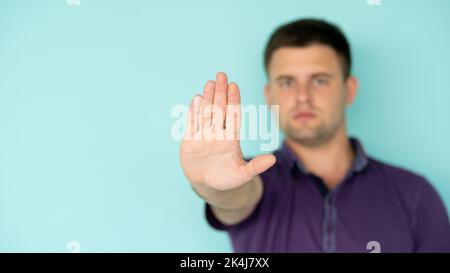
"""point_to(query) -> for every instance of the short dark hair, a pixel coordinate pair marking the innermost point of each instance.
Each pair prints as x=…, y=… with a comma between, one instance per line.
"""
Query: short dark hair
x=305, y=32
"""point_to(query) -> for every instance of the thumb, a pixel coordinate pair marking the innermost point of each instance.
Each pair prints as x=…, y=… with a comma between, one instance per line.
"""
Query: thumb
x=260, y=164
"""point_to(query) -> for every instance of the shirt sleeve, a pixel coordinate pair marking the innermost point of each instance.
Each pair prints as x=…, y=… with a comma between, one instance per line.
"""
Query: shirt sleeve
x=432, y=222
x=217, y=224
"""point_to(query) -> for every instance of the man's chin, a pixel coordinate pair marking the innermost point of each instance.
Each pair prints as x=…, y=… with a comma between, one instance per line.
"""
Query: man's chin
x=305, y=137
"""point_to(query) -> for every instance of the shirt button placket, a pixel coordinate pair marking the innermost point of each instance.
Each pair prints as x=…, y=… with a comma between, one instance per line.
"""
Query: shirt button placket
x=328, y=231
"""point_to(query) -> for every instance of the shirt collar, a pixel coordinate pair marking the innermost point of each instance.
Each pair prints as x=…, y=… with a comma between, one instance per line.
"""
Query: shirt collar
x=360, y=160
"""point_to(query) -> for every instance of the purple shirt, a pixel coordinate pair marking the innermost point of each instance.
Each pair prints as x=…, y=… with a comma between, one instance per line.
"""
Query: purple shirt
x=397, y=209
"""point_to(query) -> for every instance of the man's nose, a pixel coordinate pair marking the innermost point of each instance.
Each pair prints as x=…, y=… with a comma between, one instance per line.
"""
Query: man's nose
x=303, y=94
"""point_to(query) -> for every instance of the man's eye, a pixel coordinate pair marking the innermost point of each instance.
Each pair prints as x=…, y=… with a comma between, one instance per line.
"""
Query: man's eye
x=320, y=81
x=285, y=83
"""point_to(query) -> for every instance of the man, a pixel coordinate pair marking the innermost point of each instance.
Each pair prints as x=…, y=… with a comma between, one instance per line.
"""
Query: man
x=320, y=192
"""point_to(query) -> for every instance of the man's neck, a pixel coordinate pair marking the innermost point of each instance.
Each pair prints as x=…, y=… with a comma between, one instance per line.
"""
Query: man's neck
x=330, y=161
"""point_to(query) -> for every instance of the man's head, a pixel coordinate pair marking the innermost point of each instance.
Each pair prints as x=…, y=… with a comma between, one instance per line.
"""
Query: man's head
x=308, y=65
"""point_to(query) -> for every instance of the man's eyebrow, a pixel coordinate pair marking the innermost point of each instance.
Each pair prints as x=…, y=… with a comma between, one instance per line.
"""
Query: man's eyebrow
x=283, y=77
x=313, y=75
x=321, y=74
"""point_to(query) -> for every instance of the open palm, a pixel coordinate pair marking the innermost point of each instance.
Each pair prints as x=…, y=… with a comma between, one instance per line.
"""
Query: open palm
x=210, y=152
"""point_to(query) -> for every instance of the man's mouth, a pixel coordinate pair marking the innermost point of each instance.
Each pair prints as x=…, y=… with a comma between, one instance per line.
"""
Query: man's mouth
x=305, y=115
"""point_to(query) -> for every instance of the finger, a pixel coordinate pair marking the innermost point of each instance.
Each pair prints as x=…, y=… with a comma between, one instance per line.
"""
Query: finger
x=233, y=116
x=260, y=164
x=192, y=117
x=234, y=95
x=220, y=100
x=206, y=104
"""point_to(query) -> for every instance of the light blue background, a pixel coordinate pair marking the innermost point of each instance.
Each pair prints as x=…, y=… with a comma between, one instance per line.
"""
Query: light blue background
x=86, y=94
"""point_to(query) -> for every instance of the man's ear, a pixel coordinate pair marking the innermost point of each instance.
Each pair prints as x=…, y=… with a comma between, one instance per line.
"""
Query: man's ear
x=351, y=86
x=267, y=95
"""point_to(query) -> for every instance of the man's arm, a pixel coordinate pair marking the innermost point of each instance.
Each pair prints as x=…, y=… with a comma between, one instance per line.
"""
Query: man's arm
x=233, y=206
x=432, y=229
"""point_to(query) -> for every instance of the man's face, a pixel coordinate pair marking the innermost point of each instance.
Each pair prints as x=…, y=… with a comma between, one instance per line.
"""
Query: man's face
x=308, y=85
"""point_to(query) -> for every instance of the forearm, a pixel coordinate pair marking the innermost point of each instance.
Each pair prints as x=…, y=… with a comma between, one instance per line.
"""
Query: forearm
x=233, y=205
